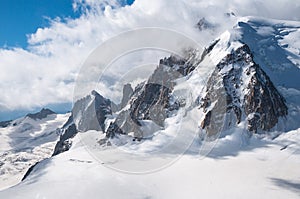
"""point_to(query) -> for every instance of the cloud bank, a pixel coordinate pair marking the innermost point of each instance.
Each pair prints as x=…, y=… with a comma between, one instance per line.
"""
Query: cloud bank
x=45, y=72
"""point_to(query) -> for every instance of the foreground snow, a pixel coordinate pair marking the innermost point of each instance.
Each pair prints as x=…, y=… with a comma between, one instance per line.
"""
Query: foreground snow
x=262, y=168
x=237, y=167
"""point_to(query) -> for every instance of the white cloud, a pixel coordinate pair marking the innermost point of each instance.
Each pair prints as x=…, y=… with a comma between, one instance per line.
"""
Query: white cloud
x=45, y=72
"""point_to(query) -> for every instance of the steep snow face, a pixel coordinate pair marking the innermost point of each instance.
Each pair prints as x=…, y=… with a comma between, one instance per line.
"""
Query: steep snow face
x=256, y=72
x=224, y=45
x=275, y=47
x=25, y=142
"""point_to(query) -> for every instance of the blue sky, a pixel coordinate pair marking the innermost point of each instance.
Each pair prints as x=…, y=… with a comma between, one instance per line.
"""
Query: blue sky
x=43, y=71
x=21, y=17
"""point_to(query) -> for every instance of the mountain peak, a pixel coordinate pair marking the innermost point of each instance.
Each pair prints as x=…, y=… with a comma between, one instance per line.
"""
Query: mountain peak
x=43, y=113
x=248, y=94
x=94, y=93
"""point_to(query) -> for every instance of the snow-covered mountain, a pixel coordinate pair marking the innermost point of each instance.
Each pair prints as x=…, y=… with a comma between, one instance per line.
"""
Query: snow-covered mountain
x=238, y=90
x=242, y=90
x=89, y=113
x=26, y=141
x=249, y=95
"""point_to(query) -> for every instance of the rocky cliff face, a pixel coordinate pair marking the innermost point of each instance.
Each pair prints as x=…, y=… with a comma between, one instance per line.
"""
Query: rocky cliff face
x=237, y=91
x=67, y=132
x=89, y=113
x=127, y=93
x=246, y=92
x=151, y=100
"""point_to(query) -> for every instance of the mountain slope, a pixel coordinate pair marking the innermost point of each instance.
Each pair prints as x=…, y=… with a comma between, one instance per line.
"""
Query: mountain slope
x=274, y=47
x=248, y=95
x=254, y=112
x=89, y=113
x=239, y=90
x=263, y=168
x=25, y=142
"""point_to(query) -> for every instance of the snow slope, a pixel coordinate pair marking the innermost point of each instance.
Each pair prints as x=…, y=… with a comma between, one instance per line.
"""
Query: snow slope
x=239, y=166
x=25, y=142
x=275, y=46
x=262, y=168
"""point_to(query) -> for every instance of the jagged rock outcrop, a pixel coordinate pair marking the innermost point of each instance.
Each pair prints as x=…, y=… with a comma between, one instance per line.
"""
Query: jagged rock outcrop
x=127, y=93
x=66, y=134
x=238, y=90
x=151, y=100
x=89, y=113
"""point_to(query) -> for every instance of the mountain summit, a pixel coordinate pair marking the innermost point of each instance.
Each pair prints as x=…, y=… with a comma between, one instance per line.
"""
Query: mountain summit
x=235, y=102
x=234, y=90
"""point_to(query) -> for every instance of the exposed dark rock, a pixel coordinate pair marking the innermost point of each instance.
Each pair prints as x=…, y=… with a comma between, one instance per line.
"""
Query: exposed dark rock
x=263, y=104
x=230, y=14
x=66, y=132
x=65, y=143
x=68, y=123
x=151, y=100
x=245, y=91
x=203, y=24
x=114, y=107
x=89, y=113
x=4, y=124
x=40, y=115
x=214, y=105
x=206, y=120
x=29, y=171
x=209, y=49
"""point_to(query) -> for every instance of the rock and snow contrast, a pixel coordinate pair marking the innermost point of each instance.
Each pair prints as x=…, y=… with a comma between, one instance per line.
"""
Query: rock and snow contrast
x=241, y=94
